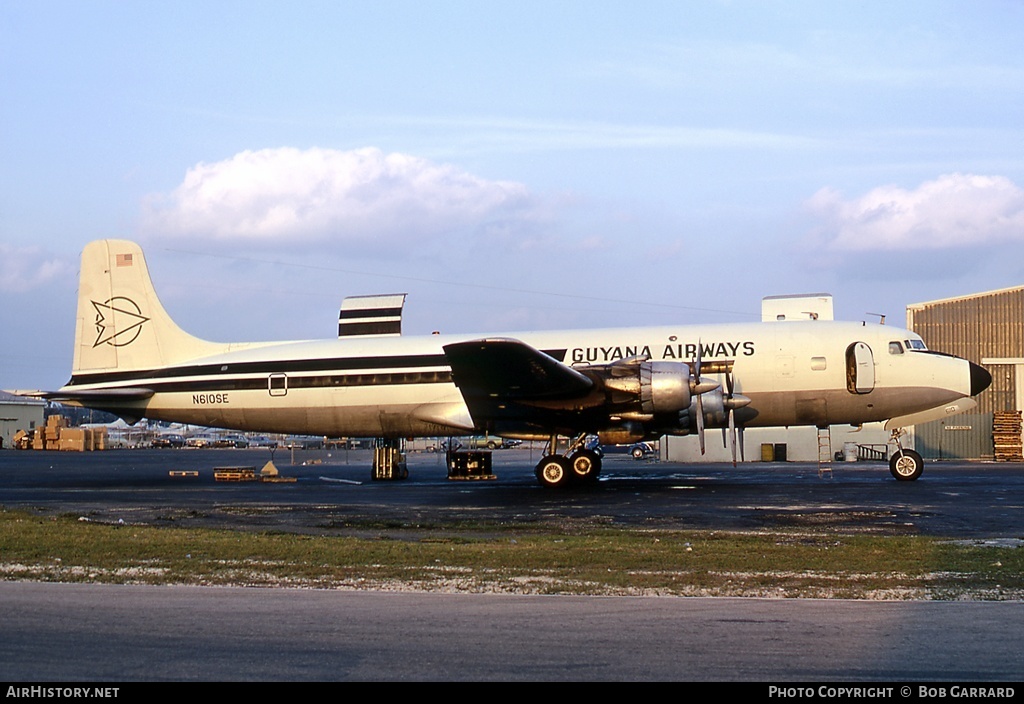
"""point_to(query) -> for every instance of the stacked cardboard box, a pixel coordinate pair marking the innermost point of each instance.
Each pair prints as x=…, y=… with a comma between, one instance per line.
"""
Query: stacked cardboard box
x=56, y=435
x=22, y=440
x=51, y=433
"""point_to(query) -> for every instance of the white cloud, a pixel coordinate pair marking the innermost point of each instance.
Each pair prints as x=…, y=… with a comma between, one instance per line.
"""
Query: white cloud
x=26, y=268
x=359, y=196
x=954, y=210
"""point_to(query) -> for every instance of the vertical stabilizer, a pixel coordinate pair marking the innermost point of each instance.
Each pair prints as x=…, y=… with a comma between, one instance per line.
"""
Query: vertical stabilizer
x=121, y=324
x=371, y=316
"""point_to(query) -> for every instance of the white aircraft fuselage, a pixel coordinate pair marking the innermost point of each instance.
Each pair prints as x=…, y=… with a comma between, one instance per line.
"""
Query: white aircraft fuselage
x=794, y=373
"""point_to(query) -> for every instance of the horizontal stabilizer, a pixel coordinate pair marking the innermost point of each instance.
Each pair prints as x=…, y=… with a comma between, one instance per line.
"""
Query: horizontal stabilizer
x=97, y=396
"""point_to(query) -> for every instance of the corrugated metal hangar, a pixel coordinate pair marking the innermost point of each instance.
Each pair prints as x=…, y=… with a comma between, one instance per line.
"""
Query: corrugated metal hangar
x=986, y=328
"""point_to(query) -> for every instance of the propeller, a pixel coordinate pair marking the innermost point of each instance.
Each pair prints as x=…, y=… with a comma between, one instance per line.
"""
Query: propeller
x=698, y=387
x=732, y=401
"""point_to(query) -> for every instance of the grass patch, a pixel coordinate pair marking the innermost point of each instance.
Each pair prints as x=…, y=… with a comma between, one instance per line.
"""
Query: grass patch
x=536, y=558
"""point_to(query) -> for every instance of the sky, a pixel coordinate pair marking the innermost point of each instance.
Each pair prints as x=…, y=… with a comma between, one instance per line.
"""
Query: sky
x=510, y=166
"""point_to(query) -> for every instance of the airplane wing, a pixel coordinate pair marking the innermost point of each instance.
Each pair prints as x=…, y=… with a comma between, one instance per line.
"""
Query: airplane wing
x=507, y=383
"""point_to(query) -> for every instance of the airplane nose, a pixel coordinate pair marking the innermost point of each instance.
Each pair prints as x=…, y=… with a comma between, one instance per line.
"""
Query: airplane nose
x=980, y=379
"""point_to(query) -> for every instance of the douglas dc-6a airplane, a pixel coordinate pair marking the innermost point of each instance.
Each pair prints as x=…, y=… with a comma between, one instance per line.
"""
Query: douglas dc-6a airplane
x=624, y=385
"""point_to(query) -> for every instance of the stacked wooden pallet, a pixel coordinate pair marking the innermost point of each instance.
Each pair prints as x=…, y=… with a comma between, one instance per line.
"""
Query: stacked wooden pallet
x=1006, y=436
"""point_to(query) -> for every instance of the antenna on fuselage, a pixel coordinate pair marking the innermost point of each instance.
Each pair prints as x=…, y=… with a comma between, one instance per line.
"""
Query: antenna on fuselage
x=881, y=317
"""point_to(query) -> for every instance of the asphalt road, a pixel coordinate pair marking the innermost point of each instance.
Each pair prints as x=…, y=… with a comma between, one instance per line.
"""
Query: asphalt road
x=112, y=633
x=73, y=632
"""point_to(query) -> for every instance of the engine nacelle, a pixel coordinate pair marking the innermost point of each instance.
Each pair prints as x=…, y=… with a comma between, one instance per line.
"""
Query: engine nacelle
x=646, y=398
x=664, y=387
x=715, y=413
x=657, y=387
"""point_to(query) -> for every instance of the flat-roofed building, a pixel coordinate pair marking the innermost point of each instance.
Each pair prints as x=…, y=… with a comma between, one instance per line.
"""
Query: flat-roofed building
x=18, y=413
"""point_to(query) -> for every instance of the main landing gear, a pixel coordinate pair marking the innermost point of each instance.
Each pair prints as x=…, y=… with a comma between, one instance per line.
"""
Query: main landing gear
x=904, y=465
x=577, y=465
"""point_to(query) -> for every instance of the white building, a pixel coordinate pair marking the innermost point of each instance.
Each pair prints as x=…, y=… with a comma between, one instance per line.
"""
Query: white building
x=18, y=413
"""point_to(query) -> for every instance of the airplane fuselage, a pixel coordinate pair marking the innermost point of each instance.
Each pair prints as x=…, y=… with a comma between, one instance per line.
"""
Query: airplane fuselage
x=794, y=373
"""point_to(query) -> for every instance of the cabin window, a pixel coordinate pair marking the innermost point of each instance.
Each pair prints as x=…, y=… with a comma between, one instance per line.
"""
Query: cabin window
x=818, y=364
x=895, y=347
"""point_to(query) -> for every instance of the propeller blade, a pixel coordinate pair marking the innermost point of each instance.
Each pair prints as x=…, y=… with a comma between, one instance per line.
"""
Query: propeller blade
x=700, y=423
x=732, y=402
x=732, y=434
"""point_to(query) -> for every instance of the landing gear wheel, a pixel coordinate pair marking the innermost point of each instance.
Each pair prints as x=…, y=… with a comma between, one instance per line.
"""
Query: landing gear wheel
x=586, y=465
x=906, y=466
x=553, y=471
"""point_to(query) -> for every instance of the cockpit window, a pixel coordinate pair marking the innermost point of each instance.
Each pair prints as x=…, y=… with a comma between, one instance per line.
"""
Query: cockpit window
x=915, y=345
x=895, y=347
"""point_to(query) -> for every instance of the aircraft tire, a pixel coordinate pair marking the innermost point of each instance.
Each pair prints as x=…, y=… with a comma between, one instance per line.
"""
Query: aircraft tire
x=906, y=466
x=586, y=465
x=554, y=471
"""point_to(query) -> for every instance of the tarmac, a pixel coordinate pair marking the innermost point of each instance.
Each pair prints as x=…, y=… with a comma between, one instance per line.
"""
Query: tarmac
x=325, y=490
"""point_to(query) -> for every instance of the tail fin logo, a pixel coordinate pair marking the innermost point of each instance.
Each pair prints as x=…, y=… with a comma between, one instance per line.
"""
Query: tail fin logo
x=118, y=322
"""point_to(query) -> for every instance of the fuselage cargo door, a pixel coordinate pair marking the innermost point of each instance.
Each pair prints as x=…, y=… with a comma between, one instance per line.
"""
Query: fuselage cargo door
x=860, y=368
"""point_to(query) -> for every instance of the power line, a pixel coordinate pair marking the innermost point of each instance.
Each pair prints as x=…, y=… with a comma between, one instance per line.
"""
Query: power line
x=462, y=284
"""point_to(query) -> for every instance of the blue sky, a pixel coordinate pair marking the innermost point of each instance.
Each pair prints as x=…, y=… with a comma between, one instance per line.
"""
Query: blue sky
x=509, y=165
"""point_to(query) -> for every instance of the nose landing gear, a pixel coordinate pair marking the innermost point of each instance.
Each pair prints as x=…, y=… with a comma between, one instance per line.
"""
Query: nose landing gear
x=904, y=465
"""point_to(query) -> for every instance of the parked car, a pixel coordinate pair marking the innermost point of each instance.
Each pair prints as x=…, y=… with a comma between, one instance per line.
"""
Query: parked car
x=489, y=442
x=170, y=440
x=637, y=450
x=231, y=441
x=640, y=450
x=303, y=442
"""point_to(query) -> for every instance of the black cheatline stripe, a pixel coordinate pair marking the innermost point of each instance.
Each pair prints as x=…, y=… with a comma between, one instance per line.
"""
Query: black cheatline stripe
x=304, y=382
x=292, y=366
